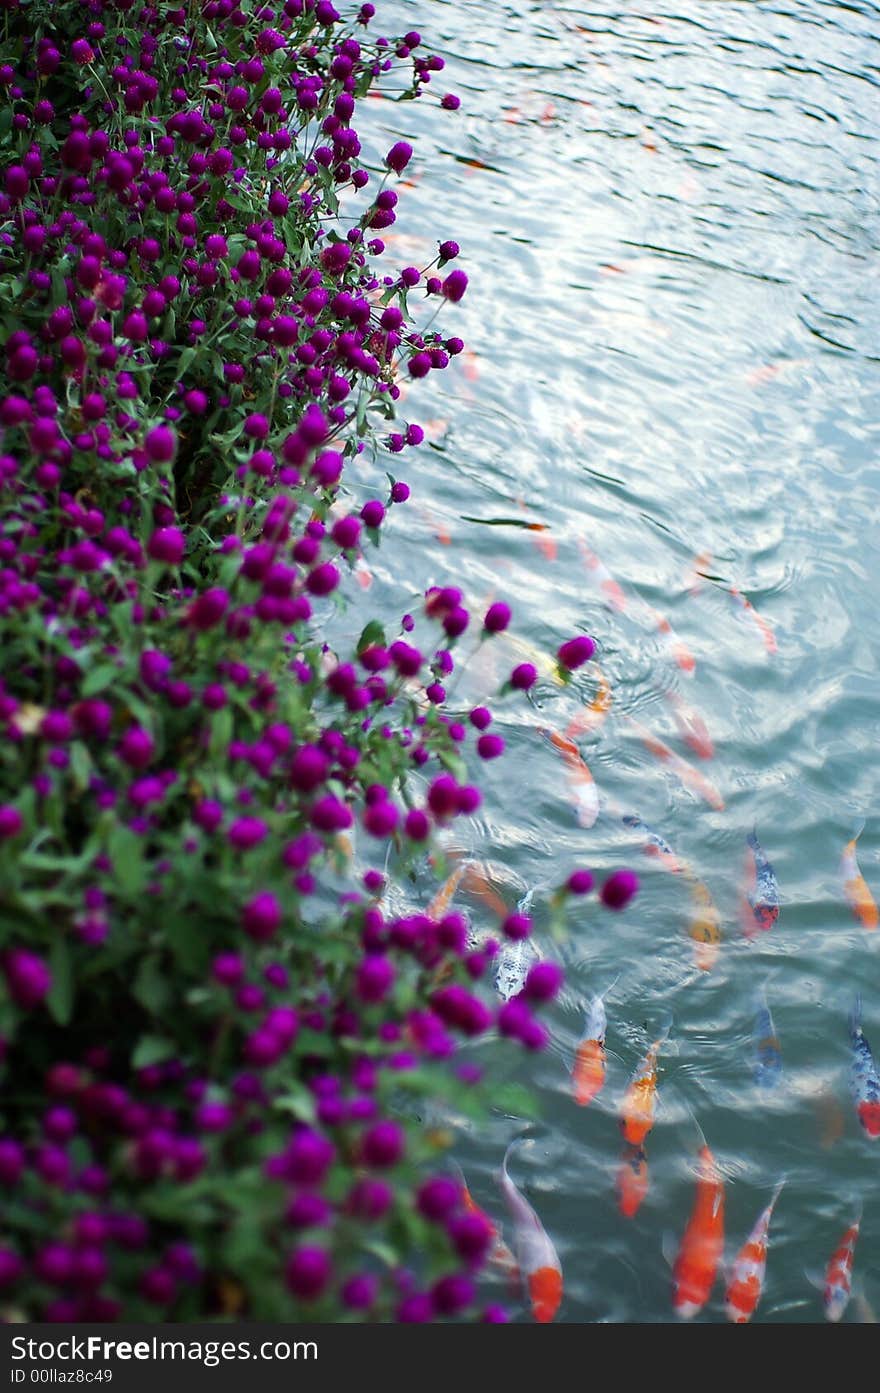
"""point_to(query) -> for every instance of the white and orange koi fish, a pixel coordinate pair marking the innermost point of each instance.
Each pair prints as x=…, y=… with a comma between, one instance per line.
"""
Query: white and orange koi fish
x=632, y=1180
x=692, y=778
x=654, y=845
x=691, y=726
x=747, y=1274
x=639, y=1101
x=588, y=1070
x=705, y=926
x=538, y=1261
x=855, y=887
x=593, y=714
x=602, y=578
x=675, y=647
x=581, y=784
x=500, y=1257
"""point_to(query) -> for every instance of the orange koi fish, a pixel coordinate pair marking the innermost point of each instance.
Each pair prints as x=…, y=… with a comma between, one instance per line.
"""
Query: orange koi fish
x=748, y=608
x=500, y=1257
x=677, y=650
x=696, y=1266
x=593, y=714
x=443, y=898
x=691, y=778
x=539, y=1265
x=838, y=1277
x=476, y=882
x=759, y=905
x=855, y=887
x=588, y=1070
x=747, y=1274
x=639, y=1101
x=705, y=926
x=544, y=541
x=470, y=361
x=691, y=726
x=362, y=574
x=632, y=1180
x=602, y=577
x=581, y=783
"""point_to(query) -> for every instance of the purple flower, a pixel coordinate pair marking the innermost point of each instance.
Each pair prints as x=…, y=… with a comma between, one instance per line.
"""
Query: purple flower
x=167, y=544
x=576, y=651
x=161, y=444
x=27, y=977
x=375, y=978
x=497, y=618
x=454, y=286
x=307, y=1272
x=11, y=822
x=261, y=916
x=438, y=1197
x=383, y=1145
x=580, y=882
x=619, y=889
x=543, y=981
x=246, y=832
x=524, y=676
x=490, y=746
x=399, y=156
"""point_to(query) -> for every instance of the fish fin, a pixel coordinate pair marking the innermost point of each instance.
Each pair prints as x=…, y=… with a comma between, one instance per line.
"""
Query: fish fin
x=815, y=1277
x=669, y=1248
x=610, y=988
x=700, y=1133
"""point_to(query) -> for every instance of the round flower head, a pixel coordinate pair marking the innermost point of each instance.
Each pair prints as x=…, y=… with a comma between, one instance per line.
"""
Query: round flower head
x=619, y=889
x=399, y=156
x=576, y=651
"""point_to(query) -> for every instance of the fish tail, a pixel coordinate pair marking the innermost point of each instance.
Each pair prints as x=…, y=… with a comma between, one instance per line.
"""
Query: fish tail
x=858, y=828
x=700, y=1133
x=855, y=1016
x=752, y=838
x=665, y=1029
x=777, y=1190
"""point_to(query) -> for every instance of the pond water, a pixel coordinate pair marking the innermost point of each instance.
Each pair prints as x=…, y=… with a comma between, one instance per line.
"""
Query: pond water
x=669, y=219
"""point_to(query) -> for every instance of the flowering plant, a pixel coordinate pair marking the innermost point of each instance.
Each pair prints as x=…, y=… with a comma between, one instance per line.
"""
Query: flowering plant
x=214, y=1058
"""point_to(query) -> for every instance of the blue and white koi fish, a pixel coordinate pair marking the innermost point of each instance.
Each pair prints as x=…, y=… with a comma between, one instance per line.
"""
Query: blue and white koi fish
x=760, y=908
x=768, y=1056
x=864, y=1080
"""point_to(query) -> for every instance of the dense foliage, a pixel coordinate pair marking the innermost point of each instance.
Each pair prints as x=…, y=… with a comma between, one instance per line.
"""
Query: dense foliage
x=217, y=1043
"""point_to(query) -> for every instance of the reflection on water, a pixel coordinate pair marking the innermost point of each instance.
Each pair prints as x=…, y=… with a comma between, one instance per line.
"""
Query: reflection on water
x=670, y=225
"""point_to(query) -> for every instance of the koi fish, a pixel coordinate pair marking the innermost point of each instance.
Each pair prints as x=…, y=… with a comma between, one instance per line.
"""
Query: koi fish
x=443, y=898
x=760, y=905
x=512, y=967
x=539, y=1265
x=500, y=1257
x=864, y=1081
x=749, y=610
x=692, y=778
x=476, y=882
x=632, y=1180
x=588, y=1070
x=696, y=1266
x=639, y=1101
x=593, y=714
x=582, y=786
x=705, y=926
x=691, y=726
x=747, y=1275
x=697, y=574
x=855, y=887
x=677, y=650
x=768, y=1056
x=654, y=845
x=838, y=1277
x=602, y=577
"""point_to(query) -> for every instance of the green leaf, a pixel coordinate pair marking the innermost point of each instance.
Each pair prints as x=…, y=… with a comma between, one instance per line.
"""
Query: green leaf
x=99, y=678
x=152, y=1049
x=151, y=988
x=126, y=852
x=80, y=765
x=515, y=1099
x=373, y=633
x=60, y=998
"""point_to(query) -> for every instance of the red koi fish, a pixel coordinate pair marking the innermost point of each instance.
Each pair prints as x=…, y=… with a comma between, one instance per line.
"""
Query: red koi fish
x=855, y=887
x=632, y=1180
x=696, y=1266
x=602, y=577
x=838, y=1277
x=443, y=898
x=692, y=778
x=761, y=624
x=675, y=647
x=539, y=1265
x=747, y=1274
x=691, y=726
x=582, y=786
x=639, y=1101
